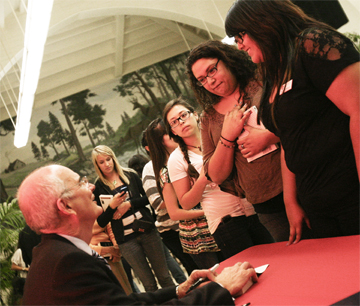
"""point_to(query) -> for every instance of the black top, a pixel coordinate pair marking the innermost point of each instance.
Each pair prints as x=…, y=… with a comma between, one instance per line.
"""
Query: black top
x=313, y=131
x=138, y=200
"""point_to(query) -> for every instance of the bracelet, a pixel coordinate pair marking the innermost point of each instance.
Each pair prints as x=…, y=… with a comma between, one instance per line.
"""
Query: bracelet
x=225, y=145
x=227, y=139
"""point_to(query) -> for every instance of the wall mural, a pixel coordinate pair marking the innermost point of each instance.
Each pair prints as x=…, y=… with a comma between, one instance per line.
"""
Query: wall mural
x=114, y=114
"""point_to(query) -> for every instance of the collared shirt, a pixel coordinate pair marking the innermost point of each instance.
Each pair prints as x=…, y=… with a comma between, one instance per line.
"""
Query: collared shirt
x=80, y=244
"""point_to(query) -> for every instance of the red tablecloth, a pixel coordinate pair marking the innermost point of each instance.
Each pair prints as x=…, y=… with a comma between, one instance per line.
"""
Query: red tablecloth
x=312, y=272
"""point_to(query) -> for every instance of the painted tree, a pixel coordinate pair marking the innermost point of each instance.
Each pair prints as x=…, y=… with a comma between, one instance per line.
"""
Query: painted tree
x=69, y=140
x=177, y=62
x=44, y=132
x=109, y=129
x=44, y=153
x=63, y=102
x=81, y=110
x=36, y=151
x=7, y=126
x=130, y=86
x=58, y=135
x=134, y=83
x=96, y=119
x=162, y=85
x=165, y=67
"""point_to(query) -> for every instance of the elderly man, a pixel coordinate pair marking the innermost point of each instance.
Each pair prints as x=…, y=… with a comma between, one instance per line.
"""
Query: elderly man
x=60, y=205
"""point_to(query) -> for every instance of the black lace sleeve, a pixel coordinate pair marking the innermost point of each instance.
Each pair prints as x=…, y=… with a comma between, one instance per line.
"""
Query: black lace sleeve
x=325, y=54
x=323, y=44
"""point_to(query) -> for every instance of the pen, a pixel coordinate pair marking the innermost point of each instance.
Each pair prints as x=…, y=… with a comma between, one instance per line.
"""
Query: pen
x=202, y=279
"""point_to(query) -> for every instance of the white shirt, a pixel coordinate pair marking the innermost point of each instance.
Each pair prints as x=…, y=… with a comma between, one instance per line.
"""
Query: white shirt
x=215, y=203
x=17, y=259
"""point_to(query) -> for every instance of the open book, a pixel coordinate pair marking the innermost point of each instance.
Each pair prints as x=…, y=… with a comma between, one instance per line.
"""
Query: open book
x=252, y=121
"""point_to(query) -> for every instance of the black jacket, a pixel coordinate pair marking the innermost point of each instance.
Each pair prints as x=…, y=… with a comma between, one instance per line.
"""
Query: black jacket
x=138, y=200
x=62, y=274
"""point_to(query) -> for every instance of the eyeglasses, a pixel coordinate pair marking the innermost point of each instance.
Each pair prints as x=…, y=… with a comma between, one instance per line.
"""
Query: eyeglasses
x=211, y=73
x=239, y=39
x=183, y=117
x=84, y=182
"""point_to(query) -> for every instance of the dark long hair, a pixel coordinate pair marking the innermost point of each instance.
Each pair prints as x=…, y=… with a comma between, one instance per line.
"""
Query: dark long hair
x=192, y=172
x=238, y=62
x=275, y=26
x=154, y=135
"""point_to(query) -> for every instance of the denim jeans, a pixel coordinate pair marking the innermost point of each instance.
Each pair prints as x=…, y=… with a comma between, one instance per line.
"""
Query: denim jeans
x=239, y=233
x=138, y=250
x=174, y=267
x=127, y=268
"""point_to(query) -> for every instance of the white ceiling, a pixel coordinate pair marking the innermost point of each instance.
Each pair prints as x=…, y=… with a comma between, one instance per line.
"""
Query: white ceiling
x=94, y=41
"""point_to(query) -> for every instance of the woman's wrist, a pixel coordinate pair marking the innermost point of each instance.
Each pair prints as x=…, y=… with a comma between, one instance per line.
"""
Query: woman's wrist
x=228, y=139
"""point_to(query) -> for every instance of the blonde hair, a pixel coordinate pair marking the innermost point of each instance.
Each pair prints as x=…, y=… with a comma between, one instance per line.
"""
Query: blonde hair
x=105, y=150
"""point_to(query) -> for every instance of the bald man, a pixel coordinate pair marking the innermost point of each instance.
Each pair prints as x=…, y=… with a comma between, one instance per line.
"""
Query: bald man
x=60, y=205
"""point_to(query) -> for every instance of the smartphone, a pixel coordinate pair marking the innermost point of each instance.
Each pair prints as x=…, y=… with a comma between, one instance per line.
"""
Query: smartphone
x=105, y=200
x=124, y=188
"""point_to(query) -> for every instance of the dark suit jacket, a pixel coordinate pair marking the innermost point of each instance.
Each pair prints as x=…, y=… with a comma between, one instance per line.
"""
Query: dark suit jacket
x=62, y=274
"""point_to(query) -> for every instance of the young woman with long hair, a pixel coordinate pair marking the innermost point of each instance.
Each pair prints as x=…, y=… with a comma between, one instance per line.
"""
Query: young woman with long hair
x=311, y=77
x=232, y=220
x=160, y=147
x=224, y=79
x=135, y=247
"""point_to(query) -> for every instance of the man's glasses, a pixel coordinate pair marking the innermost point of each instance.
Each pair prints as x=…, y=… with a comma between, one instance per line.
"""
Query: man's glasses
x=211, y=73
x=84, y=182
x=183, y=117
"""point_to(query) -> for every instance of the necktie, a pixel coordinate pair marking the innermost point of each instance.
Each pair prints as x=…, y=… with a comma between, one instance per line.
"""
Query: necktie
x=100, y=258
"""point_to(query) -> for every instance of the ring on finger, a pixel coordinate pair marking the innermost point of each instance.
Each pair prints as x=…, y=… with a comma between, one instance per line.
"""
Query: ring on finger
x=242, y=146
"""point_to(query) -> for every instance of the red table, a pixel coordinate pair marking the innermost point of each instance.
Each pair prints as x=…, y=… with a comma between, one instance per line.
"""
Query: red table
x=312, y=272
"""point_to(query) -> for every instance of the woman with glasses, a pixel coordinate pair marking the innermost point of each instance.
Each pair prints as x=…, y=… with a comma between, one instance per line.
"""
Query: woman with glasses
x=311, y=96
x=160, y=146
x=225, y=83
x=222, y=210
x=135, y=246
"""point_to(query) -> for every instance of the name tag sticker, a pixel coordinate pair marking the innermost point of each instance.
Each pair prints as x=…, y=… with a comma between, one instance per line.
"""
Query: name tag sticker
x=286, y=87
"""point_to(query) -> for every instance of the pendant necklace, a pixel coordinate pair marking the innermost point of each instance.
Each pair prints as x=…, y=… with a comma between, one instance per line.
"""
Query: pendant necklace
x=199, y=147
x=114, y=183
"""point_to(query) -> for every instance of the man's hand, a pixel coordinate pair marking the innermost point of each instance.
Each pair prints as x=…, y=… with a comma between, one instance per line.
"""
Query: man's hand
x=234, y=278
x=194, y=276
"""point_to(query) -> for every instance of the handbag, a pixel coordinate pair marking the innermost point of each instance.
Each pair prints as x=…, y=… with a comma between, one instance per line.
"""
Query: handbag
x=142, y=226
